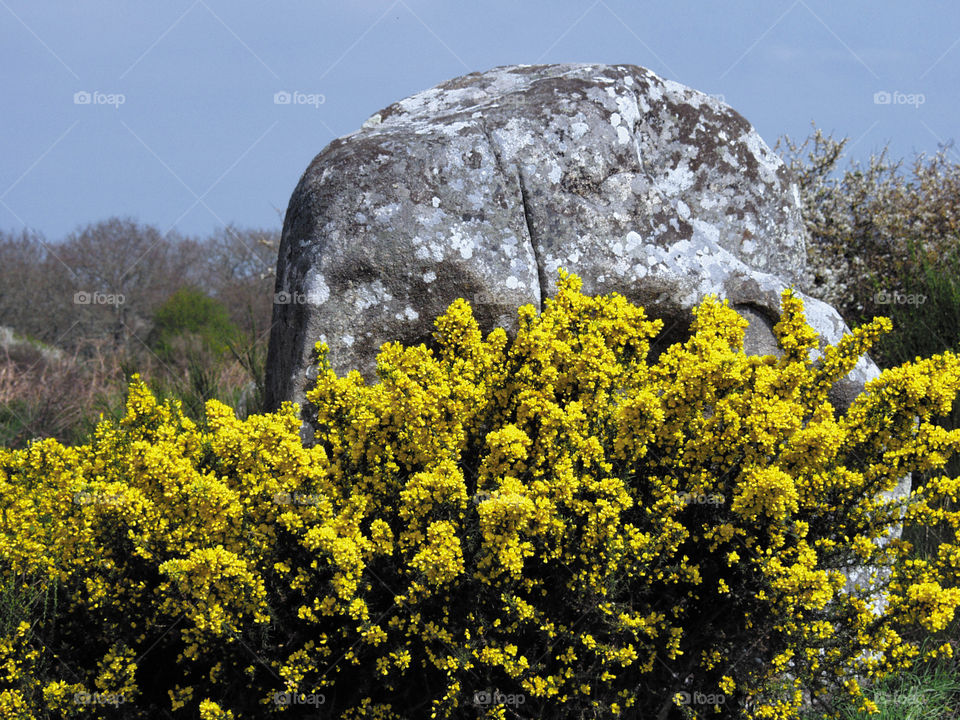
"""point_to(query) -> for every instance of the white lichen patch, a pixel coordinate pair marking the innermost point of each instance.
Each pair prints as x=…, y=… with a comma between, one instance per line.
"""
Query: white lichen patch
x=629, y=110
x=512, y=139
x=462, y=244
x=681, y=92
x=579, y=129
x=432, y=218
x=317, y=291
x=367, y=296
x=710, y=232
x=768, y=163
x=432, y=101
x=454, y=129
x=555, y=173
x=678, y=180
x=655, y=92
x=729, y=158
x=385, y=211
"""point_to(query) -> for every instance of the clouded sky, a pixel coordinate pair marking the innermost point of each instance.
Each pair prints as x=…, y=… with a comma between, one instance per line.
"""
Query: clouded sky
x=168, y=113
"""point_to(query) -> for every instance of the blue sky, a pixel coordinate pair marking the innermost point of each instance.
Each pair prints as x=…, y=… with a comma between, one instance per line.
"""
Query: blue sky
x=181, y=129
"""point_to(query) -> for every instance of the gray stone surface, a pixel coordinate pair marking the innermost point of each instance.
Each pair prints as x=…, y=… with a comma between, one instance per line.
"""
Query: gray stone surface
x=483, y=186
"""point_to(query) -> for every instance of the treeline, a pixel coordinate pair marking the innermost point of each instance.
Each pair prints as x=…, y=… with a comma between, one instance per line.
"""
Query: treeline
x=81, y=314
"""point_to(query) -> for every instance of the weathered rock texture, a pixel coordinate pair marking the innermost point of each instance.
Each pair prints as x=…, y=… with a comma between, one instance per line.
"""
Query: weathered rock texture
x=483, y=186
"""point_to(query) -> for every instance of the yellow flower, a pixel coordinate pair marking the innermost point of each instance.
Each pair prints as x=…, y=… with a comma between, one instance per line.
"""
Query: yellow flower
x=552, y=510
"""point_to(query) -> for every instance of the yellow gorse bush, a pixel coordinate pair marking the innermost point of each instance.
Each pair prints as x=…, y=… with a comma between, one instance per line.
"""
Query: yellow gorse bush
x=549, y=527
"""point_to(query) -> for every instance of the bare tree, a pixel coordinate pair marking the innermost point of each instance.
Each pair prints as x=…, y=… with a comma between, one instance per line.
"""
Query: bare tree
x=120, y=272
x=242, y=264
x=32, y=285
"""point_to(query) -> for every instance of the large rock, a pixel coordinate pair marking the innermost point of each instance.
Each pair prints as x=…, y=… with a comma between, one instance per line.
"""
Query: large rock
x=483, y=186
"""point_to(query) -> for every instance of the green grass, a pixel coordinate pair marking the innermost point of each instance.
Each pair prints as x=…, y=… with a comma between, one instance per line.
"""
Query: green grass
x=930, y=692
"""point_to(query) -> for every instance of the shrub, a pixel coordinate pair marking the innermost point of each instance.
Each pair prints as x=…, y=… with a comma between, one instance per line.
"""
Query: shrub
x=190, y=312
x=872, y=227
x=927, y=320
x=192, y=338
x=548, y=527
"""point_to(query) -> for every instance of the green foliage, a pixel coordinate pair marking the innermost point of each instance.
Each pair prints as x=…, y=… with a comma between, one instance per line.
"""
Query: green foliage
x=927, y=320
x=191, y=322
